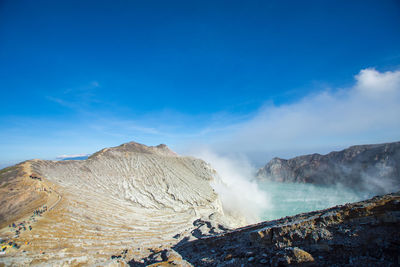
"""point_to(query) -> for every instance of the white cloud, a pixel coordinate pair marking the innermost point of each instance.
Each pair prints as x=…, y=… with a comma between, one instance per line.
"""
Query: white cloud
x=367, y=112
x=375, y=83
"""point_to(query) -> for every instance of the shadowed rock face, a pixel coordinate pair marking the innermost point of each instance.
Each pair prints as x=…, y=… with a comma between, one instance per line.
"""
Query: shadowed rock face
x=367, y=167
x=129, y=199
x=360, y=234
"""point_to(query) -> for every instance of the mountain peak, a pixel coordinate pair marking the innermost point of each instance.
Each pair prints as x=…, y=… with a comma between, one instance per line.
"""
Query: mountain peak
x=134, y=147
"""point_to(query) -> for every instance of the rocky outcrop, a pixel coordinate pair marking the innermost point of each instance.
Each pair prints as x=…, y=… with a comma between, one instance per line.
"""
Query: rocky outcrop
x=360, y=234
x=367, y=167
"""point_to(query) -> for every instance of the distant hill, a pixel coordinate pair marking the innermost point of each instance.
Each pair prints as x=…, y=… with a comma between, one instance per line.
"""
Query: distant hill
x=367, y=167
x=76, y=158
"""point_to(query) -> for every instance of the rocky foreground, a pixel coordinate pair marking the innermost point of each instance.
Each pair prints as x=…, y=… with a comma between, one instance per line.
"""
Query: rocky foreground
x=359, y=234
x=375, y=168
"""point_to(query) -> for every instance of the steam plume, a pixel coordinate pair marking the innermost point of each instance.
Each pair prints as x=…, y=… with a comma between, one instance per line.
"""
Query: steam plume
x=239, y=195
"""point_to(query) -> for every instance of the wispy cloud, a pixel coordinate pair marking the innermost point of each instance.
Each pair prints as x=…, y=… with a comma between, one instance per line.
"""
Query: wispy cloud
x=89, y=87
x=62, y=102
x=367, y=112
x=78, y=98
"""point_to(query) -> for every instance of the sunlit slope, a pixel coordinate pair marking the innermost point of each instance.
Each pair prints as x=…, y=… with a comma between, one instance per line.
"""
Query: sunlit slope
x=19, y=195
x=148, y=178
x=130, y=197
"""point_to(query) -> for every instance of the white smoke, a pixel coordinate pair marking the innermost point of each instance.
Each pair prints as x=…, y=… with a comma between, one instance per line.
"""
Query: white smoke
x=367, y=112
x=380, y=180
x=239, y=195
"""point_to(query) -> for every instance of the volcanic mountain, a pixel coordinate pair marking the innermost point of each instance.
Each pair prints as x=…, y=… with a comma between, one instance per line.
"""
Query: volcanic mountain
x=124, y=199
x=374, y=168
x=137, y=205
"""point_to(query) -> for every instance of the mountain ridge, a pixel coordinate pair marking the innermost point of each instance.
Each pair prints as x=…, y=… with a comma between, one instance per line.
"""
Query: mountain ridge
x=355, y=166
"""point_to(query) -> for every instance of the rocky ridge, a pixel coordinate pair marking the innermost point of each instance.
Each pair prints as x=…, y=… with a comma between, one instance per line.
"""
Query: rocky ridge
x=366, y=167
x=359, y=234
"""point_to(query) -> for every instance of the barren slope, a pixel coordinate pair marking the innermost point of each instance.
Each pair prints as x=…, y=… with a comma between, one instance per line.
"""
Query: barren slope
x=19, y=194
x=130, y=197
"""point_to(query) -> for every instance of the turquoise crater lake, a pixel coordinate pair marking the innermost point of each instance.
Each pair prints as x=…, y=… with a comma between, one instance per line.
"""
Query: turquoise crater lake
x=286, y=199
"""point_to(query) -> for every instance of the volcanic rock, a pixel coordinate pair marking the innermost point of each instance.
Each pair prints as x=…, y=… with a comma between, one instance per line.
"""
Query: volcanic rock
x=131, y=198
x=359, y=234
x=374, y=168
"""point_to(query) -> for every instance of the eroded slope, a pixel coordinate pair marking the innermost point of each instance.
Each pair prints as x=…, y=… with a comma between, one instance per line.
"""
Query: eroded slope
x=125, y=199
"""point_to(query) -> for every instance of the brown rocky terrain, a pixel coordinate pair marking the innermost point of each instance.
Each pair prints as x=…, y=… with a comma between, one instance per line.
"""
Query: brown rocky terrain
x=374, y=168
x=19, y=193
x=359, y=234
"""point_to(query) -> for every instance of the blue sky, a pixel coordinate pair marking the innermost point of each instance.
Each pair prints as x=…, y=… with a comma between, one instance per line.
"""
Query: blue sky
x=77, y=76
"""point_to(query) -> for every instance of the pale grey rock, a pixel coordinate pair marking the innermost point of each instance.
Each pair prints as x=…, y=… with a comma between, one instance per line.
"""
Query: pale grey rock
x=128, y=197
